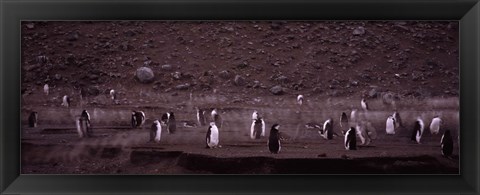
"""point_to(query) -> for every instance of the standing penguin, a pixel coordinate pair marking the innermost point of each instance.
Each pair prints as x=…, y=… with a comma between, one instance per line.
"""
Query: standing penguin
x=435, y=125
x=344, y=120
x=398, y=120
x=113, y=95
x=83, y=126
x=32, y=119
x=274, y=140
x=417, y=130
x=300, y=99
x=212, y=138
x=257, y=130
x=255, y=115
x=156, y=131
x=390, y=125
x=172, y=123
x=66, y=101
x=364, y=104
x=351, y=139
x=447, y=144
x=327, y=131
x=216, y=118
x=86, y=116
x=46, y=89
x=138, y=118
x=202, y=121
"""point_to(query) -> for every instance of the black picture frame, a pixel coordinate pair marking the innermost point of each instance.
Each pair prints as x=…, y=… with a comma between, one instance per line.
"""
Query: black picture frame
x=466, y=11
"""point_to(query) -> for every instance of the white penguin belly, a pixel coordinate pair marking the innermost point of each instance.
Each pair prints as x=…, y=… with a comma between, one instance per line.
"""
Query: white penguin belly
x=158, y=134
x=390, y=127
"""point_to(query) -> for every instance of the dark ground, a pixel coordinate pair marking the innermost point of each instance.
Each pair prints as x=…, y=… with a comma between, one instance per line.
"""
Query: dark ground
x=232, y=66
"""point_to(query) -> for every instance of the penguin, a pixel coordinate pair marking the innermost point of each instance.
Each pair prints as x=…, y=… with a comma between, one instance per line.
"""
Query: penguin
x=344, y=120
x=113, y=95
x=327, y=131
x=300, y=99
x=83, y=126
x=201, y=117
x=258, y=128
x=156, y=131
x=255, y=115
x=46, y=89
x=398, y=120
x=390, y=125
x=212, y=138
x=32, y=119
x=216, y=118
x=364, y=104
x=138, y=118
x=164, y=119
x=417, y=130
x=435, y=125
x=447, y=144
x=351, y=139
x=86, y=116
x=274, y=139
x=171, y=123
x=66, y=101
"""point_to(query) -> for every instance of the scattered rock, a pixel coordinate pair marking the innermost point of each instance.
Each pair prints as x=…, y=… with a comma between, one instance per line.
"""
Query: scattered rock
x=72, y=36
x=183, y=86
x=30, y=25
x=225, y=74
x=144, y=75
x=373, y=93
x=167, y=67
x=177, y=75
x=58, y=77
x=239, y=80
x=277, y=90
x=359, y=31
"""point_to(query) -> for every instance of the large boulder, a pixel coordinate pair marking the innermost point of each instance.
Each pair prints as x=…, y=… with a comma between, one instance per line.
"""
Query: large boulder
x=277, y=90
x=145, y=75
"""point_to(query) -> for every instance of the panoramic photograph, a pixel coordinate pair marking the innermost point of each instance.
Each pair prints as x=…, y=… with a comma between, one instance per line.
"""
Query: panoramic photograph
x=240, y=97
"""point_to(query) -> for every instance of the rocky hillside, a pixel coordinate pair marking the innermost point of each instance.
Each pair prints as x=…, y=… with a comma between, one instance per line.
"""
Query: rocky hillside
x=325, y=59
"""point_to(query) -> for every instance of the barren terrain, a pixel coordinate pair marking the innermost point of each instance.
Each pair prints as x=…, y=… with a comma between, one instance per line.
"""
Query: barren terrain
x=234, y=67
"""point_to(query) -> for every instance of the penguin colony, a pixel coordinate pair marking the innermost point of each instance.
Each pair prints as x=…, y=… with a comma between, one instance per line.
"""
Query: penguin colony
x=355, y=127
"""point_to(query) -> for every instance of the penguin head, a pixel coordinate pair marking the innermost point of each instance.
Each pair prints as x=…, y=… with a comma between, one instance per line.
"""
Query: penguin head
x=157, y=122
x=275, y=126
x=133, y=112
x=112, y=92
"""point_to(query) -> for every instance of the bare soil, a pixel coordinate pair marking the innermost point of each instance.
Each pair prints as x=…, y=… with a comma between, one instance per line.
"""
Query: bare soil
x=333, y=67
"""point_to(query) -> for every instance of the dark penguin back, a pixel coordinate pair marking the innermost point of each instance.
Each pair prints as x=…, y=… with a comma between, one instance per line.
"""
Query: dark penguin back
x=447, y=143
x=257, y=128
x=164, y=118
x=153, y=131
x=209, y=132
x=201, y=117
x=352, y=139
x=137, y=119
x=329, y=129
x=172, y=124
x=416, y=129
x=32, y=119
x=273, y=141
x=217, y=120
